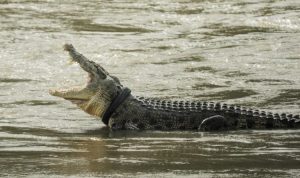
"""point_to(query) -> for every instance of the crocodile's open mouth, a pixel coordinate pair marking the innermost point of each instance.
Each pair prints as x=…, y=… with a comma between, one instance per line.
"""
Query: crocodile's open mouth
x=78, y=101
x=75, y=94
x=99, y=89
x=79, y=95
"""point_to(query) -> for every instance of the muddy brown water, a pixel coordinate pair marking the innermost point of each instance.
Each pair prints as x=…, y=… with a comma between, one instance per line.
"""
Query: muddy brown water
x=238, y=52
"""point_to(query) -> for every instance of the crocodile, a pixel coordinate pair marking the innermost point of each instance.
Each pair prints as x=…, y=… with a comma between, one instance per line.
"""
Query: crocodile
x=105, y=97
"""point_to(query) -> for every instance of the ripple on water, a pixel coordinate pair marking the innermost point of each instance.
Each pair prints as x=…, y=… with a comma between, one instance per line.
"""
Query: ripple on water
x=28, y=103
x=220, y=29
x=288, y=96
x=14, y=80
x=183, y=59
x=293, y=58
x=236, y=74
x=269, y=11
x=201, y=69
x=228, y=94
x=270, y=81
x=89, y=26
x=188, y=11
x=207, y=85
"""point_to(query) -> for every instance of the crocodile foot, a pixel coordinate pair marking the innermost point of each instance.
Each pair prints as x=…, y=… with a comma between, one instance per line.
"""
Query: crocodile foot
x=213, y=123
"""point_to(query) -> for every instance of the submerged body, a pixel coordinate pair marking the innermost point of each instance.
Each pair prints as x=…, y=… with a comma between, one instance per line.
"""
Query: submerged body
x=101, y=98
x=146, y=113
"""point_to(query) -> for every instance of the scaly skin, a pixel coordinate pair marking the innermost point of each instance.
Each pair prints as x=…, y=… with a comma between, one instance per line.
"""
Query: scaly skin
x=155, y=114
x=139, y=113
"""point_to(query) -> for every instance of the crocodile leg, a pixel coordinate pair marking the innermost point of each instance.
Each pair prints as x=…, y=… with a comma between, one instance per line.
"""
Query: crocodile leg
x=214, y=123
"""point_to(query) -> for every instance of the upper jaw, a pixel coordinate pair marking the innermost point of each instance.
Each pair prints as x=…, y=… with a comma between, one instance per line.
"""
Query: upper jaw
x=89, y=66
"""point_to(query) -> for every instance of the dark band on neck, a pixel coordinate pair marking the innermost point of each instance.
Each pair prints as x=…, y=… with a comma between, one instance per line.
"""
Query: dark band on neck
x=117, y=101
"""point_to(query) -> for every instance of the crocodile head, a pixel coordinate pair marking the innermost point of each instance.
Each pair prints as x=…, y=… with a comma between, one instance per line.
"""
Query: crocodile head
x=98, y=93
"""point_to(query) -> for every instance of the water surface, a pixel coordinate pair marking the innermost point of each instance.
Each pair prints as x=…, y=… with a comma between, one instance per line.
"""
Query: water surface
x=240, y=52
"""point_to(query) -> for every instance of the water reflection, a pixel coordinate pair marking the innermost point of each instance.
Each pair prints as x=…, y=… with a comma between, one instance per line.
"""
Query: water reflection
x=103, y=152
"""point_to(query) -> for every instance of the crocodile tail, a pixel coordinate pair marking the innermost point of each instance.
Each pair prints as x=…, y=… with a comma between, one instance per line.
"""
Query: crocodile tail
x=242, y=118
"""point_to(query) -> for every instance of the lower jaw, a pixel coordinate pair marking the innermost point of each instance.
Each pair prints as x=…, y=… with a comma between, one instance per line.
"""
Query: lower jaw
x=77, y=101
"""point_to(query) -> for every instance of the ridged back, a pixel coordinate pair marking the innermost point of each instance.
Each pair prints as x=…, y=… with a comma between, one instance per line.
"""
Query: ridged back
x=230, y=111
